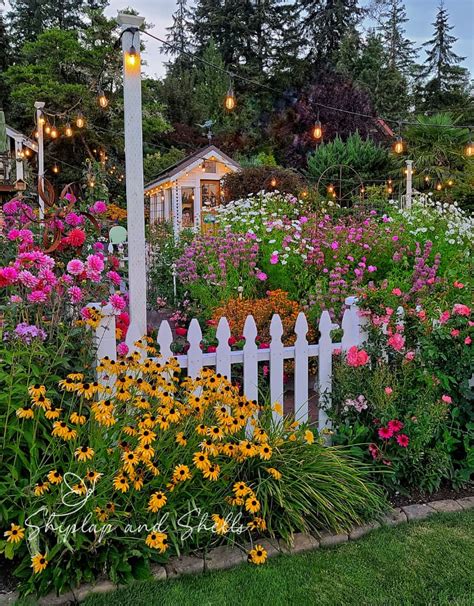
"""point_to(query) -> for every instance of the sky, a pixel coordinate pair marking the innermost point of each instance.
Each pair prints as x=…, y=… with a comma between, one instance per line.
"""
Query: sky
x=421, y=14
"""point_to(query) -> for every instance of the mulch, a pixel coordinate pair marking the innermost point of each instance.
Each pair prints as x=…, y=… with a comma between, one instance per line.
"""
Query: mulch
x=418, y=496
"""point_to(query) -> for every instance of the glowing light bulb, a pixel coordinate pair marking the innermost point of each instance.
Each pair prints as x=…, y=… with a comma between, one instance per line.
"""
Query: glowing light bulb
x=54, y=132
x=55, y=169
x=131, y=57
x=230, y=102
x=103, y=101
x=47, y=129
x=317, y=130
x=398, y=147
x=469, y=151
x=330, y=189
x=80, y=120
x=273, y=182
x=68, y=130
x=439, y=187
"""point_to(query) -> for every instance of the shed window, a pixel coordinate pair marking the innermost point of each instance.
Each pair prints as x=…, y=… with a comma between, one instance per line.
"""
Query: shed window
x=210, y=166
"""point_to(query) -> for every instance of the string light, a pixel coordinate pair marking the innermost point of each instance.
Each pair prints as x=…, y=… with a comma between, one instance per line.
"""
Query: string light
x=439, y=187
x=68, y=130
x=273, y=182
x=389, y=189
x=317, y=132
x=42, y=119
x=427, y=179
x=80, y=120
x=132, y=56
x=54, y=133
x=450, y=183
x=398, y=145
x=47, y=129
x=103, y=101
x=330, y=188
x=55, y=169
x=469, y=151
x=230, y=101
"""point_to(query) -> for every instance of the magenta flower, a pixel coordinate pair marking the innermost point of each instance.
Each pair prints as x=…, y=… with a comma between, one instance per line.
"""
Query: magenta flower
x=114, y=277
x=122, y=349
x=403, y=440
x=385, y=433
x=262, y=276
x=356, y=357
x=75, y=294
x=95, y=263
x=461, y=310
x=99, y=207
x=395, y=425
x=397, y=341
x=117, y=302
x=37, y=296
x=75, y=267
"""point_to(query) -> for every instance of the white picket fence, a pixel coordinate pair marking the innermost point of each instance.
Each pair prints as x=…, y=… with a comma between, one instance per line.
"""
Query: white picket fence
x=223, y=359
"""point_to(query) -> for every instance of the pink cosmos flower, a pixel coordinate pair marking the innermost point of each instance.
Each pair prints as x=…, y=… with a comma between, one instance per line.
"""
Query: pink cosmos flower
x=75, y=267
x=117, y=302
x=274, y=259
x=385, y=433
x=461, y=310
x=395, y=425
x=467, y=341
x=455, y=332
x=371, y=268
x=388, y=391
x=122, y=349
x=397, y=341
x=356, y=357
x=402, y=440
x=261, y=275
x=397, y=292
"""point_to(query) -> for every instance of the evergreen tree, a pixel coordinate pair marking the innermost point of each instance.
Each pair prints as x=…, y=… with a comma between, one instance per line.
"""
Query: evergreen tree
x=400, y=51
x=4, y=60
x=179, y=37
x=447, y=80
x=324, y=25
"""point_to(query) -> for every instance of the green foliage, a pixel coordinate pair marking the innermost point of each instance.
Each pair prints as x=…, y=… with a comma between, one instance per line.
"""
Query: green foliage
x=155, y=163
x=258, y=177
x=369, y=160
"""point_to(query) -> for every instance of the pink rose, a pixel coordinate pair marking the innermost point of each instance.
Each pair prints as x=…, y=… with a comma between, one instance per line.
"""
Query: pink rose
x=388, y=391
x=446, y=399
x=356, y=357
x=397, y=341
x=397, y=292
x=461, y=310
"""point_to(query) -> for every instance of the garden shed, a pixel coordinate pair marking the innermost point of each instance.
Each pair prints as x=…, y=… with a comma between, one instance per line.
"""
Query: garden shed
x=187, y=192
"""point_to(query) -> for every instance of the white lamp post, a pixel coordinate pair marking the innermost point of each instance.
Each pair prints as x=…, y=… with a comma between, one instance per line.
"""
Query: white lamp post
x=409, y=183
x=39, y=105
x=132, y=97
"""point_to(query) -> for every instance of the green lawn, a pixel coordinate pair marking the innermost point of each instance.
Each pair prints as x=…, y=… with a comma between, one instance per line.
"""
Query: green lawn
x=415, y=564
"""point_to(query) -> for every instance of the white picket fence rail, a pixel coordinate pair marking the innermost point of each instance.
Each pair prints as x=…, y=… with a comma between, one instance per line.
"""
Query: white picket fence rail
x=223, y=359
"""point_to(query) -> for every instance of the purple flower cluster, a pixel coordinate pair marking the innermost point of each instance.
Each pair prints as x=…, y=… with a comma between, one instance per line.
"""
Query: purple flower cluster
x=424, y=275
x=210, y=258
x=27, y=332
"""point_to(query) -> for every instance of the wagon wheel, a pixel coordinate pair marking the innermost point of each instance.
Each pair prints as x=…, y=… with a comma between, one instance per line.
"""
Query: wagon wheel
x=342, y=182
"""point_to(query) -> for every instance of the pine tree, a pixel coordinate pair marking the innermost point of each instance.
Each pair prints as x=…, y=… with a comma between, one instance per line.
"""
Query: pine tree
x=324, y=25
x=447, y=80
x=399, y=49
x=5, y=58
x=179, y=38
x=29, y=18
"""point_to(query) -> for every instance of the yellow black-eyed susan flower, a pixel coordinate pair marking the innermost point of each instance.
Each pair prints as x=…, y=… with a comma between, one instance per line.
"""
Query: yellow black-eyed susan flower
x=157, y=540
x=265, y=452
x=180, y=439
x=257, y=555
x=40, y=488
x=240, y=489
x=201, y=460
x=37, y=390
x=274, y=473
x=84, y=453
x=25, y=413
x=211, y=472
x=221, y=526
x=120, y=483
x=93, y=476
x=101, y=514
x=38, y=563
x=181, y=473
x=78, y=419
x=157, y=501
x=252, y=505
x=55, y=477
x=55, y=413
x=15, y=534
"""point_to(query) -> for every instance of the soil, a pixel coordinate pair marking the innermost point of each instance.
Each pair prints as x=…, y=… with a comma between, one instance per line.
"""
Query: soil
x=418, y=496
x=7, y=580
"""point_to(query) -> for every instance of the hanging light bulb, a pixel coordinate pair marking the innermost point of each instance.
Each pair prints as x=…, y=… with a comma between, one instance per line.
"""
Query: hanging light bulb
x=398, y=146
x=450, y=183
x=439, y=187
x=47, y=129
x=389, y=181
x=55, y=169
x=42, y=119
x=37, y=134
x=330, y=188
x=230, y=102
x=273, y=182
x=68, y=130
x=317, y=131
x=27, y=152
x=427, y=179
x=469, y=151
x=389, y=189
x=103, y=101
x=80, y=120
x=362, y=190
x=132, y=56
x=54, y=132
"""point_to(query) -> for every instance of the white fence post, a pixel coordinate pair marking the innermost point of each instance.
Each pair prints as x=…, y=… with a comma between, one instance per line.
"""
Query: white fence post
x=352, y=325
x=194, y=351
x=223, y=363
x=104, y=334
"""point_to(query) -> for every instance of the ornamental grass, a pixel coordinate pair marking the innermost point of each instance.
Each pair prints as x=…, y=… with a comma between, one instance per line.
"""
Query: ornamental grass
x=144, y=463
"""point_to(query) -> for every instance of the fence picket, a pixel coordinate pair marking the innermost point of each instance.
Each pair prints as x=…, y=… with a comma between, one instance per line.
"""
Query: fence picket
x=325, y=368
x=223, y=363
x=301, y=393
x=250, y=359
x=276, y=364
x=194, y=352
x=164, y=340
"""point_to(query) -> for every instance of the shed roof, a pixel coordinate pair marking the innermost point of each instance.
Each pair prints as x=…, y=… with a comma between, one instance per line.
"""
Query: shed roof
x=175, y=170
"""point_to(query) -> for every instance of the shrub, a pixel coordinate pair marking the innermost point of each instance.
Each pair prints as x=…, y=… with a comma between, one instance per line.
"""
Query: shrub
x=254, y=179
x=150, y=465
